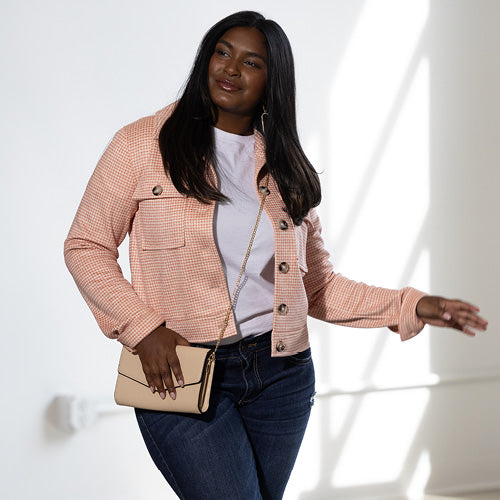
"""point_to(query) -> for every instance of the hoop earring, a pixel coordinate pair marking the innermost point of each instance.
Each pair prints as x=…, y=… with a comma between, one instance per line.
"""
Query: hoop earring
x=264, y=113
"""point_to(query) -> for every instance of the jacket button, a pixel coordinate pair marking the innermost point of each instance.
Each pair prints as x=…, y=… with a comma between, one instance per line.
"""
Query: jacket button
x=264, y=190
x=284, y=267
x=283, y=225
x=157, y=190
x=280, y=346
x=282, y=309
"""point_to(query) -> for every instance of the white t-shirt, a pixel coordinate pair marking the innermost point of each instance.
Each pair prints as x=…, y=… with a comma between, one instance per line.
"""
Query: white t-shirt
x=233, y=225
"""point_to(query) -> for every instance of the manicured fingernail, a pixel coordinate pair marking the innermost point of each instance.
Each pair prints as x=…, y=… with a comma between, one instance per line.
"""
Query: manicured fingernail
x=180, y=382
x=447, y=316
x=152, y=389
x=172, y=395
x=162, y=395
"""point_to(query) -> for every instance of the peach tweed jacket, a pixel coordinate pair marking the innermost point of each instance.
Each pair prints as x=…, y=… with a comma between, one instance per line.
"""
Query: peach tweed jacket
x=177, y=276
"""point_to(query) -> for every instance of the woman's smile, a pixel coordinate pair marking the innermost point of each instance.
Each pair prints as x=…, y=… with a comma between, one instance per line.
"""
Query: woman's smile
x=228, y=86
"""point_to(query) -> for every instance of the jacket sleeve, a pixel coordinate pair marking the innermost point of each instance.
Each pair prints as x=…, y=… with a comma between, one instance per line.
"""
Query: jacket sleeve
x=101, y=223
x=342, y=301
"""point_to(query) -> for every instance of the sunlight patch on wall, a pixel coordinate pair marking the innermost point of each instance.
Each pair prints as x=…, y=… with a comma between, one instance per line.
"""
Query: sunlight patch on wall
x=370, y=75
x=379, y=138
x=378, y=206
x=382, y=432
x=420, y=477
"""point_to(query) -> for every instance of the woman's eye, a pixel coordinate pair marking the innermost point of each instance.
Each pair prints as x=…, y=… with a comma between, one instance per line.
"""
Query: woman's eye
x=221, y=52
x=252, y=64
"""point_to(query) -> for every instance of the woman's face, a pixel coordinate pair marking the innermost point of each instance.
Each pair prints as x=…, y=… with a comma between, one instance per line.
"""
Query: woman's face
x=237, y=72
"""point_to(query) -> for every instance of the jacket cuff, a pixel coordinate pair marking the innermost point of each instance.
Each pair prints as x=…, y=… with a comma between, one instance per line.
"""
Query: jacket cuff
x=140, y=328
x=409, y=323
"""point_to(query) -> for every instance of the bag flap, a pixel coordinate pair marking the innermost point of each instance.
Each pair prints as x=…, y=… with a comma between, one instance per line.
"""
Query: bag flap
x=192, y=360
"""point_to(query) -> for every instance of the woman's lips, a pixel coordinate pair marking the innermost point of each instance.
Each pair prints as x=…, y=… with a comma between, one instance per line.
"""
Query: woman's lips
x=227, y=86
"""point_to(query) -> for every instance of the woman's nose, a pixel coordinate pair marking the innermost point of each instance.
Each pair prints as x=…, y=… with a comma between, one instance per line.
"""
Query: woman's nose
x=231, y=68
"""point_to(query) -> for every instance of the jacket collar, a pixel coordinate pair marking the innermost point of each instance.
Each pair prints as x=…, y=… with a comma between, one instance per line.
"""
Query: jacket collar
x=260, y=154
x=161, y=117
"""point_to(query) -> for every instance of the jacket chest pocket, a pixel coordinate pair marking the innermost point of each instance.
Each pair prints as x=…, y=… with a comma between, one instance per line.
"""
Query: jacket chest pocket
x=161, y=222
x=301, y=240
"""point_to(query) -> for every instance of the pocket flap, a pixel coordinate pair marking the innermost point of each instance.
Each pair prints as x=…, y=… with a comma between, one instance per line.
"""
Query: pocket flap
x=153, y=189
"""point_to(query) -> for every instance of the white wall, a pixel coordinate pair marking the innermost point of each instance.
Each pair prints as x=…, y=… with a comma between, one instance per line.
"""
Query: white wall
x=398, y=107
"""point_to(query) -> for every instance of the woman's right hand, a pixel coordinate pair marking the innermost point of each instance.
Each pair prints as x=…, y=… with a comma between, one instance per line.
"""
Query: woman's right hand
x=159, y=360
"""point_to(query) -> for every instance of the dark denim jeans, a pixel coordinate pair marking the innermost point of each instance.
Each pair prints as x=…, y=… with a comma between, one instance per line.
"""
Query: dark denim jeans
x=245, y=446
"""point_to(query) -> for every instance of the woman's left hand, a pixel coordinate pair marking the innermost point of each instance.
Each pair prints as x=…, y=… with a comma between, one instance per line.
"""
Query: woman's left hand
x=457, y=314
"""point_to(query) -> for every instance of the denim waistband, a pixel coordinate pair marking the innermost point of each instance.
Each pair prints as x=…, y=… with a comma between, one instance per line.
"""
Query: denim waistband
x=258, y=341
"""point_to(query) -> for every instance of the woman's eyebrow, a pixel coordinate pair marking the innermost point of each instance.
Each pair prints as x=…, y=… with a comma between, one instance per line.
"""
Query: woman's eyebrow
x=248, y=54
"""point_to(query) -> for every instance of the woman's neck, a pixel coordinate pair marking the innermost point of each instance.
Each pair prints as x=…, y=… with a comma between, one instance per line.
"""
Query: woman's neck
x=234, y=124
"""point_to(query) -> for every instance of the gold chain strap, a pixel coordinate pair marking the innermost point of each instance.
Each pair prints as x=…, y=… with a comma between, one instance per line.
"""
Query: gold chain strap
x=264, y=194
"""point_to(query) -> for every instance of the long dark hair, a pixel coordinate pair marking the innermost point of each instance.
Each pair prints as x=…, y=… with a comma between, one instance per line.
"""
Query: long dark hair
x=186, y=139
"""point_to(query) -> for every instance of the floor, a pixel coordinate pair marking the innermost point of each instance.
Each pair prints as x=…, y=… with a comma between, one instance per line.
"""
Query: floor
x=492, y=495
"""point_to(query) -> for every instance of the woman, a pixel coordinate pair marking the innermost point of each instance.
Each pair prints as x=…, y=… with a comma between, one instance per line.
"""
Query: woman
x=186, y=184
